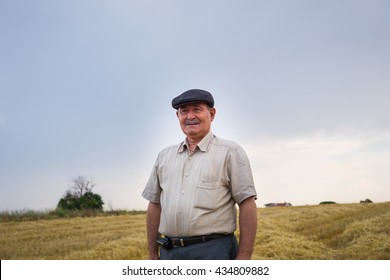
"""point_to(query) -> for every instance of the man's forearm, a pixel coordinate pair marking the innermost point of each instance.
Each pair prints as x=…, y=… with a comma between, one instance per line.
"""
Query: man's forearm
x=248, y=228
x=152, y=223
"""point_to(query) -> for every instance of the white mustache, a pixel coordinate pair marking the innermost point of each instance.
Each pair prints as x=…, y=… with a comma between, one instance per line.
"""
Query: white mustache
x=191, y=122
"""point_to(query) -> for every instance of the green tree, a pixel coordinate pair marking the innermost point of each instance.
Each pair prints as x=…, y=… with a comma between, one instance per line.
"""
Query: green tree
x=81, y=197
x=91, y=200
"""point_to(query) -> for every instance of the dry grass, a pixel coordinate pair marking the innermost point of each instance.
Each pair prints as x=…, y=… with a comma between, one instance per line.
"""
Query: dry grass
x=112, y=237
x=343, y=231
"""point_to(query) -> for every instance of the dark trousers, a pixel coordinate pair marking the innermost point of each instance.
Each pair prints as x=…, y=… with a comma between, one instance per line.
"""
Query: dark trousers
x=223, y=248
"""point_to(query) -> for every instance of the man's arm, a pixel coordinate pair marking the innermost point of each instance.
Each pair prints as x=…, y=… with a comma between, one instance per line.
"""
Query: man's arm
x=248, y=228
x=152, y=223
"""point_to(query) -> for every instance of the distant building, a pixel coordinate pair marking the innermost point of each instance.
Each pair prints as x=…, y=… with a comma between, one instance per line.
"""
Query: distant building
x=285, y=204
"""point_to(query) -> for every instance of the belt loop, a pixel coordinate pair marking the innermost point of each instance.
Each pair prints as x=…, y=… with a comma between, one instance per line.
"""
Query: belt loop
x=204, y=238
x=181, y=242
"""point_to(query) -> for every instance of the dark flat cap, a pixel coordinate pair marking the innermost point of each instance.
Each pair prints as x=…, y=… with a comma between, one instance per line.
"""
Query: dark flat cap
x=193, y=96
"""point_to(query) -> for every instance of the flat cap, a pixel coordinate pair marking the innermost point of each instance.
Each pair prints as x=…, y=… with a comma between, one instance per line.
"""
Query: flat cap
x=193, y=96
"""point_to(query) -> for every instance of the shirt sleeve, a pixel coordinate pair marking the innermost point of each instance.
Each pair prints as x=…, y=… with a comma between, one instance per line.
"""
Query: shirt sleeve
x=152, y=189
x=240, y=173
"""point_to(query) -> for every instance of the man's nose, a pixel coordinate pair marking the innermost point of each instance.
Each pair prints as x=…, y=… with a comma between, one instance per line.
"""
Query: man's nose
x=190, y=115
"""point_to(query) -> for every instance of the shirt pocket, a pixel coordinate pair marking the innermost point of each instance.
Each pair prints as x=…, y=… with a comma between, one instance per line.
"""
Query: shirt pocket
x=207, y=195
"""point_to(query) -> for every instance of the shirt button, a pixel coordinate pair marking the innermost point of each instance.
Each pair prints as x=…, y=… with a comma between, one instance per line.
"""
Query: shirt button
x=182, y=192
x=190, y=158
x=186, y=175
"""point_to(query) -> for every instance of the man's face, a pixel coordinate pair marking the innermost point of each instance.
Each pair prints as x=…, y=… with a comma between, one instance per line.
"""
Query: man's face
x=195, y=119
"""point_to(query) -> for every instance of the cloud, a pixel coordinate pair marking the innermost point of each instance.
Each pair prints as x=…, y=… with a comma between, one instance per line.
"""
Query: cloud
x=310, y=169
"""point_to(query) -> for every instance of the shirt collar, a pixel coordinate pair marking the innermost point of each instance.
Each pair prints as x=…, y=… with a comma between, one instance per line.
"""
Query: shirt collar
x=203, y=144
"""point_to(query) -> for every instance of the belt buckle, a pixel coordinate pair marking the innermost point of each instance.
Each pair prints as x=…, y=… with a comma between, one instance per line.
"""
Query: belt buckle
x=178, y=242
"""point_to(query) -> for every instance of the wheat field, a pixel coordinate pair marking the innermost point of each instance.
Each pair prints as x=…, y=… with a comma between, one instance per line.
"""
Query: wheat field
x=321, y=232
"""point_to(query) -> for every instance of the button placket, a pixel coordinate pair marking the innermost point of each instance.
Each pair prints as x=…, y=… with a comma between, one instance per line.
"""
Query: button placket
x=183, y=197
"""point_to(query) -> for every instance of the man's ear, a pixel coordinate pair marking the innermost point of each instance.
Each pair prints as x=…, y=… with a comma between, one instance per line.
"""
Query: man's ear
x=213, y=112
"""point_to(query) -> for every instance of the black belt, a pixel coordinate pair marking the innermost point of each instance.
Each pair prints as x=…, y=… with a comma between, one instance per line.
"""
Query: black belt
x=185, y=241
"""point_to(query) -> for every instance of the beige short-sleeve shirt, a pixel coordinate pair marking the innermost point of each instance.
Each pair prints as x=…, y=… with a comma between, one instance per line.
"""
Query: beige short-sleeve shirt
x=198, y=192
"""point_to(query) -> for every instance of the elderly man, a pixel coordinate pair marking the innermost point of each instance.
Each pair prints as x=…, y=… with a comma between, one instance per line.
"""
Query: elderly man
x=194, y=188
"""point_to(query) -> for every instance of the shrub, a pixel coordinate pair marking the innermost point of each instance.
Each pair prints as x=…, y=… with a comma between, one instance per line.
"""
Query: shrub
x=327, y=202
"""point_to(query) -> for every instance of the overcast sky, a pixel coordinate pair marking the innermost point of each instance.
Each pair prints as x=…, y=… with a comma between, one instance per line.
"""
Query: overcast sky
x=86, y=88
